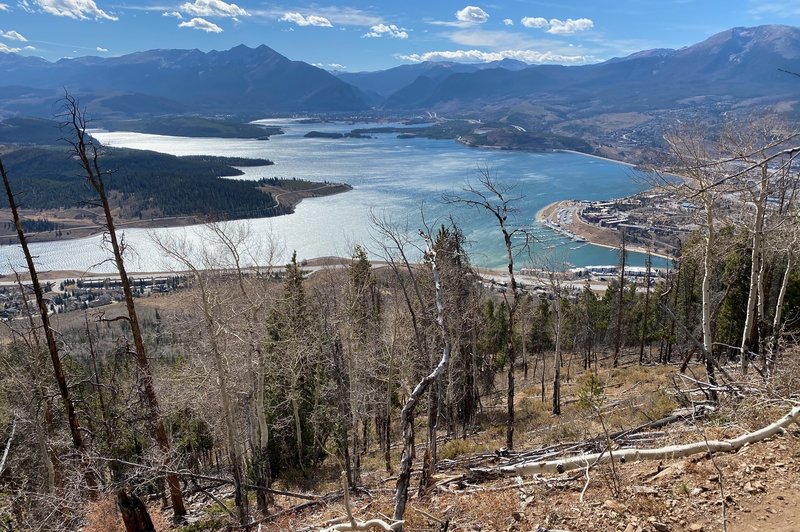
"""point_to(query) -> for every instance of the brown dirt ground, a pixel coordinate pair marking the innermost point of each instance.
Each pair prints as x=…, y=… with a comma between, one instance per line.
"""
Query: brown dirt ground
x=760, y=483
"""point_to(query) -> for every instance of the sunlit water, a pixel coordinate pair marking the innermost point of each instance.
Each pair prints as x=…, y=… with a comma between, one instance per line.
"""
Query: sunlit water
x=400, y=180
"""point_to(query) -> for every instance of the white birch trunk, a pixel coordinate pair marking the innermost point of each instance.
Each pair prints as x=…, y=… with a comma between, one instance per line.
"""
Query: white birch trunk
x=708, y=340
x=662, y=453
x=755, y=269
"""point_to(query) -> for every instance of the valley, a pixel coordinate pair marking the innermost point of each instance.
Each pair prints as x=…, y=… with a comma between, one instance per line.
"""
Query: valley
x=520, y=266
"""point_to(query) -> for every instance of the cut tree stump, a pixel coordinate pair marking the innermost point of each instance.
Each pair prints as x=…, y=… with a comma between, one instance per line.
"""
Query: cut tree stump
x=134, y=513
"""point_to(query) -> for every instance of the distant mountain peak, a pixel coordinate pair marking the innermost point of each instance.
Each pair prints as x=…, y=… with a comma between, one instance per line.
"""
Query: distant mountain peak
x=644, y=54
x=738, y=42
x=238, y=80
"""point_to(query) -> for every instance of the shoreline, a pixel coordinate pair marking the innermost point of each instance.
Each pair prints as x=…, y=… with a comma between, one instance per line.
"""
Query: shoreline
x=310, y=266
x=292, y=199
x=594, y=156
x=593, y=235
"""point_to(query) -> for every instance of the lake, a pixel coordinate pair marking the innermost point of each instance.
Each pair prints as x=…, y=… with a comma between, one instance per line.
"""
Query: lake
x=401, y=180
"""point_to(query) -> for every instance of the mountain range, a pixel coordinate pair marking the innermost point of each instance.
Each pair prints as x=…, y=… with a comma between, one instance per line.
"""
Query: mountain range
x=738, y=63
x=240, y=80
x=735, y=68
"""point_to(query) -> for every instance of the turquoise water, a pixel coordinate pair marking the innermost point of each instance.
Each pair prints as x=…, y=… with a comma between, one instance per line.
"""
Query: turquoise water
x=401, y=180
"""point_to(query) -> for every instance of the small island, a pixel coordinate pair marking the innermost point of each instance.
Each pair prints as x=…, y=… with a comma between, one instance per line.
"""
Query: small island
x=334, y=135
x=194, y=126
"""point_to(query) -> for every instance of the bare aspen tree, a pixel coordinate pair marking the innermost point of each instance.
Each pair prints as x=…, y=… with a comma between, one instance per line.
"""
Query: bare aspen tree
x=791, y=234
x=786, y=241
x=52, y=346
x=236, y=243
x=646, y=313
x=407, y=413
x=361, y=319
x=618, y=333
x=395, y=244
x=495, y=199
x=758, y=154
x=344, y=354
x=557, y=323
x=202, y=266
x=695, y=165
x=88, y=153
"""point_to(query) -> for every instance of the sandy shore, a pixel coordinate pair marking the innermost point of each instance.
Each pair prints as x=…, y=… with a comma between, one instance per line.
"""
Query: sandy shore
x=597, y=236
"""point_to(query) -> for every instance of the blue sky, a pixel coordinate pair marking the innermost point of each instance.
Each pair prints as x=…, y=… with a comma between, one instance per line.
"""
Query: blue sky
x=369, y=35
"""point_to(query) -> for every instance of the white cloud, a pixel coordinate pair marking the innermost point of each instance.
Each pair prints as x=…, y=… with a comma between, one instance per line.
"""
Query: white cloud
x=494, y=39
x=508, y=22
x=780, y=9
x=570, y=25
x=558, y=26
x=472, y=15
x=5, y=7
x=75, y=9
x=383, y=29
x=13, y=36
x=172, y=14
x=480, y=56
x=309, y=20
x=468, y=16
x=347, y=16
x=201, y=24
x=213, y=8
x=341, y=16
x=5, y=49
x=535, y=22
x=101, y=49
x=31, y=48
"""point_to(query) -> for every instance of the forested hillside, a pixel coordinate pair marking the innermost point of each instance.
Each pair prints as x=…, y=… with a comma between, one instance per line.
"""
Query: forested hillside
x=149, y=183
x=407, y=392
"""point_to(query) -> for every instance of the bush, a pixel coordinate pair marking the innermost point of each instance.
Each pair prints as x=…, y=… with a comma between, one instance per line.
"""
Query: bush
x=590, y=390
x=455, y=448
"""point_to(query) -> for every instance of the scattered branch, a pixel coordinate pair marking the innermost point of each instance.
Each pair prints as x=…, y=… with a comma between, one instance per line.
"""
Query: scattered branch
x=661, y=453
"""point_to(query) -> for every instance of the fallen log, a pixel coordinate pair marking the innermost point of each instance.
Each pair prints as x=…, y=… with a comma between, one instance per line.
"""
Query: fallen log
x=351, y=523
x=633, y=454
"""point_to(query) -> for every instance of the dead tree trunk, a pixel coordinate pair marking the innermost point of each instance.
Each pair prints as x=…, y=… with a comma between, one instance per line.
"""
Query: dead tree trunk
x=777, y=319
x=407, y=413
x=557, y=361
x=134, y=513
x=670, y=452
x=87, y=151
x=494, y=198
x=52, y=346
x=708, y=339
x=646, y=313
x=621, y=299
